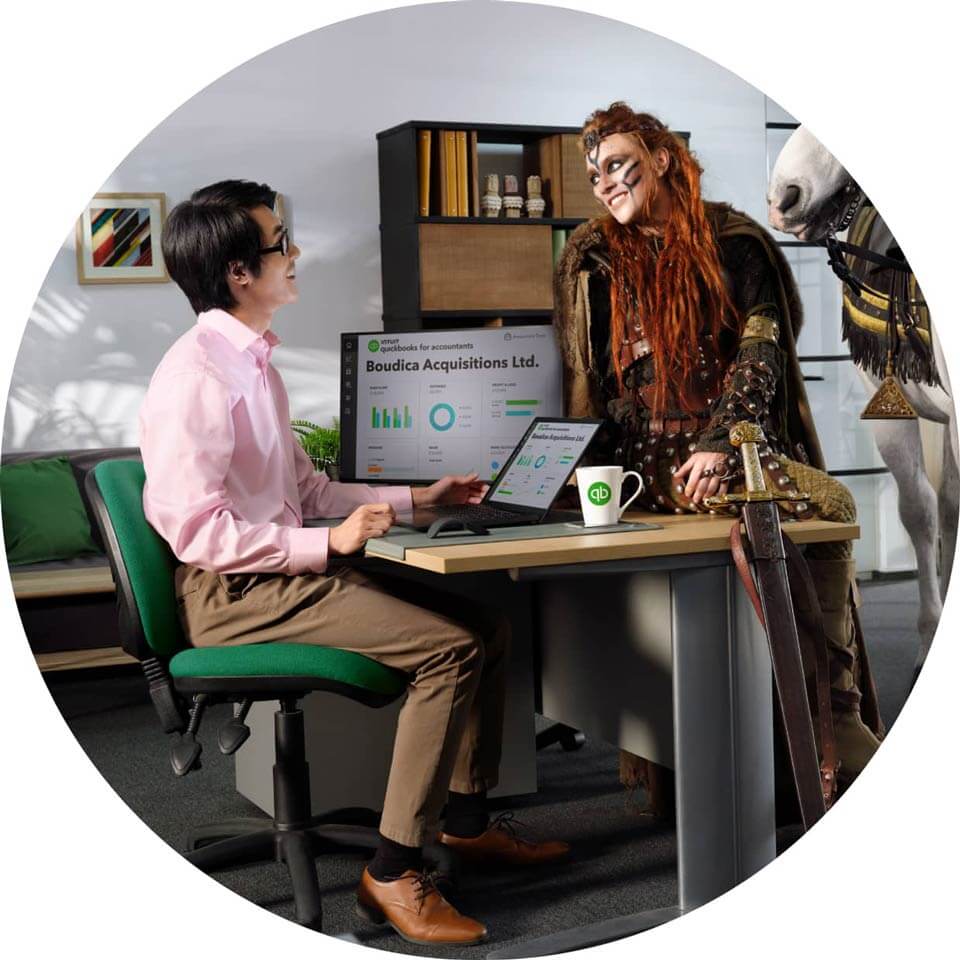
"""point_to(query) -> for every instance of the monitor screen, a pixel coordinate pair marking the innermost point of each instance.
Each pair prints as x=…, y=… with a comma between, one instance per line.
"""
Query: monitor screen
x=417, y=406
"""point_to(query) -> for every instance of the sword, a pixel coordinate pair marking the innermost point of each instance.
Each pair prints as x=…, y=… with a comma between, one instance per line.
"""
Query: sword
x=762, y=521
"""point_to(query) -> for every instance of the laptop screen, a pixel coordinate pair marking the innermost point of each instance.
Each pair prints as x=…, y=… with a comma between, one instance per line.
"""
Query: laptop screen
x=542, y=463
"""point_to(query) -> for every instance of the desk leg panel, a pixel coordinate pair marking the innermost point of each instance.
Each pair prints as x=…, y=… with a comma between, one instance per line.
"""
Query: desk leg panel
x=723, y=741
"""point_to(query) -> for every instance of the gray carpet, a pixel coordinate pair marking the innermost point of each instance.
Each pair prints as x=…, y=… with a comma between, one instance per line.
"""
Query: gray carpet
x=624, y=861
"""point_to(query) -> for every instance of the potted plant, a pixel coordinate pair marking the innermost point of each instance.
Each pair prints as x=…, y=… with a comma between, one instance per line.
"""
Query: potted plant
x=322, y=444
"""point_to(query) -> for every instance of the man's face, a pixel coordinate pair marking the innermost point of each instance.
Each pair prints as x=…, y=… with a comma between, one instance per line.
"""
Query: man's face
x=277, y=283
x=621, y=176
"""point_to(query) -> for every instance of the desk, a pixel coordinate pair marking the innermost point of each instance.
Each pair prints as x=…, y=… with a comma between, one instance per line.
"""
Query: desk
x=720, y=711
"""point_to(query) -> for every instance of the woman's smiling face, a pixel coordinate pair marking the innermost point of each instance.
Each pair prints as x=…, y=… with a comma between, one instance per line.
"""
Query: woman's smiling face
x=623, y=179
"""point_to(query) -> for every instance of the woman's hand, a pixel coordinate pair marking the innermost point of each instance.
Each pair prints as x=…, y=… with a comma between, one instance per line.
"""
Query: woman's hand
x=463, y=488
x=701, y=471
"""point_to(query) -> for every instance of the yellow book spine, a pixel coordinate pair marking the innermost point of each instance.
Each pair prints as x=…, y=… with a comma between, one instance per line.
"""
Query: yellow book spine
x=463, y=194
x=450, y=162
x=423, y=172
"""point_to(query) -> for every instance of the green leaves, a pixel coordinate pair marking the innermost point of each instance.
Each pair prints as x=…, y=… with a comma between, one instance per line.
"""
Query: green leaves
x=322, y=444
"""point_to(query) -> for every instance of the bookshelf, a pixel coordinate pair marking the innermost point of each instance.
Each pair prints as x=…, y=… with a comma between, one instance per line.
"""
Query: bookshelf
x=441, y=271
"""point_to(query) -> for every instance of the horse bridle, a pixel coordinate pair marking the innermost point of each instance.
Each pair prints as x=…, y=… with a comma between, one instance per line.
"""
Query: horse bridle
x=900, y=305
x=847, y=207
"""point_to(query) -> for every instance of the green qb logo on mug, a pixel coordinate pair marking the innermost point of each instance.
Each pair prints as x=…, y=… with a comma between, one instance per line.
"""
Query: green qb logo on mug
x=599, y=493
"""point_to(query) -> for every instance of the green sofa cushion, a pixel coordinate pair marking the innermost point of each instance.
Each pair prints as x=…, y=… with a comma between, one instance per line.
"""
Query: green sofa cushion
x=43, y=515
x=288, y=660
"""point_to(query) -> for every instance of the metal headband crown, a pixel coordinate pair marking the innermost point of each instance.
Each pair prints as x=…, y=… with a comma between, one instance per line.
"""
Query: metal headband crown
x=593, y=138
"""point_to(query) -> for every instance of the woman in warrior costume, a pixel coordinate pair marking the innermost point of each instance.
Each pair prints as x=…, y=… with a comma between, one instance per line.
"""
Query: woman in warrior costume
x=676, y=318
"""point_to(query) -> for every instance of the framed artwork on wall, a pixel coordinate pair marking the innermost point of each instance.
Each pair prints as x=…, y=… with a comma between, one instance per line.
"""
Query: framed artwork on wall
x=118, y=239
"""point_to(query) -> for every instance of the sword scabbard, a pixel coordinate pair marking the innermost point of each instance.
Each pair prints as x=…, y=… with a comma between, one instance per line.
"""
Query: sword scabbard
x=762, y=521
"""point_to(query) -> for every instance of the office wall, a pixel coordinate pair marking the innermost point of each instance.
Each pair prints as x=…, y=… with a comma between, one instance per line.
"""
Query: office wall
x=304, y=117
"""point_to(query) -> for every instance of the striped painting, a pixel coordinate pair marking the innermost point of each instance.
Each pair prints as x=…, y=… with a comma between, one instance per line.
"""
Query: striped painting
x=120, y=237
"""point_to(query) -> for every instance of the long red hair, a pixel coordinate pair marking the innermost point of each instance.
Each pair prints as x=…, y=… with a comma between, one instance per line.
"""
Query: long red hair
x=679, y=296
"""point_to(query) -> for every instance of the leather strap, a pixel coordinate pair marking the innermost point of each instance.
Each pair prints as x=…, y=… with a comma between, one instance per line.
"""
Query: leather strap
x=743, y=568
x=816, y=648
x=676, y=425
x=813, y=651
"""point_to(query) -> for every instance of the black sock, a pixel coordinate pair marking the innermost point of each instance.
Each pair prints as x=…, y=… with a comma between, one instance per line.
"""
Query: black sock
x=466, y=814
x=394, y=859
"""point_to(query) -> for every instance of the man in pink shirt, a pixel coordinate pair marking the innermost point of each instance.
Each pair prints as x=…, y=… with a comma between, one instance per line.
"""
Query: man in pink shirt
x=228, y=488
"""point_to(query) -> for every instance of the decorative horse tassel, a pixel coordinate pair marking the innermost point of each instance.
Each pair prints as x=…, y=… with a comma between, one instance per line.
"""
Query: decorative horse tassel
x=890, y=402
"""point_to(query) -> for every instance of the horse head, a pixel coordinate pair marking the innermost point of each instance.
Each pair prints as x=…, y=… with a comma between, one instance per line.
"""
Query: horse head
x=811, y=194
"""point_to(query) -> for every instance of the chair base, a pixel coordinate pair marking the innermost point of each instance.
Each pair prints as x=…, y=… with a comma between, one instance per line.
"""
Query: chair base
x=238, y=843
x=294, y=836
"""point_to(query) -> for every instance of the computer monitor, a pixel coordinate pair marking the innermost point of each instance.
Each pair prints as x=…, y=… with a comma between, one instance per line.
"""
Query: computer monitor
x=417, y=406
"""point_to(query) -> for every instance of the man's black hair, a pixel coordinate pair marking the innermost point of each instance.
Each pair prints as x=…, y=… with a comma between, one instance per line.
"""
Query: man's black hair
x=208, y=232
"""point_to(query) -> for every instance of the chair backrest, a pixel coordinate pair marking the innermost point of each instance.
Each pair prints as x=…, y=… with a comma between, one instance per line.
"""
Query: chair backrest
x=140, y=559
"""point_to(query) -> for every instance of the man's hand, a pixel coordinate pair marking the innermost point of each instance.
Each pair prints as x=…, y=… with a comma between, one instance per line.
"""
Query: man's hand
x=701, y=469
x=370, y=520
x=465, y=488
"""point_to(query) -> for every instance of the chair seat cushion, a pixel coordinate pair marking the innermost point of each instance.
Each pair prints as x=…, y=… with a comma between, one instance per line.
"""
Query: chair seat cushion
x=288, y=660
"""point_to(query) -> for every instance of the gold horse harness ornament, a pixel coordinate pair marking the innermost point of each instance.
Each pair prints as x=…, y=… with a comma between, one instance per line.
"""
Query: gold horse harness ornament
x=887, y=330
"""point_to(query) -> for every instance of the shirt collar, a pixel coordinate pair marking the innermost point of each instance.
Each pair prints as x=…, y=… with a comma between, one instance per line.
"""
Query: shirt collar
x=238, y=334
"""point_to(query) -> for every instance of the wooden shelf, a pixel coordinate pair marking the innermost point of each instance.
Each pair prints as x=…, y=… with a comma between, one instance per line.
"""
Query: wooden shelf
x=502, y=221
x=437, y=268
x=83, y=659
x=538, y=315
x=39, y=584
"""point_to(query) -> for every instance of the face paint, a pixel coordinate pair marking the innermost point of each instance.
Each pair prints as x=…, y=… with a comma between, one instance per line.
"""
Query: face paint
x=594, y=157
x=625, y=179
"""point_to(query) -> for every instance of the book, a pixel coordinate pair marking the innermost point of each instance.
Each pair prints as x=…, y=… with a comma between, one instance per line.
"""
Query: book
x=474, y=176
x=448, y=173
x=423, y=171
x=463, y=187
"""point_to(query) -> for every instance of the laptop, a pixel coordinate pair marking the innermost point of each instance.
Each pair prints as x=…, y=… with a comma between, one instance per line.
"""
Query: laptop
x=525, y=489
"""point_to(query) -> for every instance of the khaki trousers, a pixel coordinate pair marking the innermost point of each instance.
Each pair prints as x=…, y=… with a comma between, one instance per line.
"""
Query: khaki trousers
x=454, y=653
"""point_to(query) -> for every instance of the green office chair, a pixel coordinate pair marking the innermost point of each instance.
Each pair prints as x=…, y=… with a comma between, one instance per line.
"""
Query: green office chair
x=183, y=680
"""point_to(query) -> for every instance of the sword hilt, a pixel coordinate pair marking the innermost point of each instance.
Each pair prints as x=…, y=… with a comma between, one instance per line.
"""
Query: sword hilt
x=748, y=436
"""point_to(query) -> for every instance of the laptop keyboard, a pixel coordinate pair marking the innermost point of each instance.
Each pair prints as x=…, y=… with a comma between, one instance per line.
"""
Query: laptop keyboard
x=479, y=512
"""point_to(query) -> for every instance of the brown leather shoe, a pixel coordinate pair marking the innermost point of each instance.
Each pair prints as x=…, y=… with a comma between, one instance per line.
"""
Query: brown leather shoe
x=414, y=907
x=499, y=844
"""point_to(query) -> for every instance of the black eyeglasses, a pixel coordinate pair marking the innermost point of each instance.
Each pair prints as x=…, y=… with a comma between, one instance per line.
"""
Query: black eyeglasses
x=281, y=247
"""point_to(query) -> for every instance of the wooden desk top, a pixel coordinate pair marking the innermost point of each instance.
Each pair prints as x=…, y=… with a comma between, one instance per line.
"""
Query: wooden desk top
x=681, y=534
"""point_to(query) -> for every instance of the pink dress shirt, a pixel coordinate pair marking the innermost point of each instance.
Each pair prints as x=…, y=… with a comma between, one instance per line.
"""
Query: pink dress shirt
x=228, y=485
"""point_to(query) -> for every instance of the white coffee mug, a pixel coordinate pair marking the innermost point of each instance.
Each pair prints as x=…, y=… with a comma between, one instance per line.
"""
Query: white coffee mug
x=599, y=489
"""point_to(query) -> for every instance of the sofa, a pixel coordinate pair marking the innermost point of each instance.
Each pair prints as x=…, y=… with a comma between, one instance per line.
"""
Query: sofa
x=67, y=605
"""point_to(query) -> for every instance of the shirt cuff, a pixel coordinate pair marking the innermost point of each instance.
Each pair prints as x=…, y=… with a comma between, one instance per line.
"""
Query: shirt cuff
x=309, y=548
x=400, y=498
